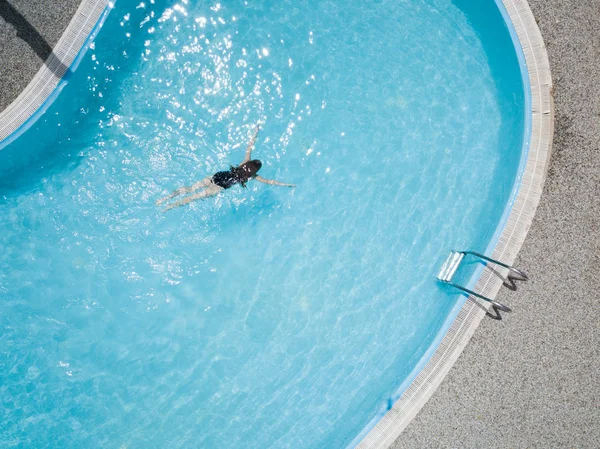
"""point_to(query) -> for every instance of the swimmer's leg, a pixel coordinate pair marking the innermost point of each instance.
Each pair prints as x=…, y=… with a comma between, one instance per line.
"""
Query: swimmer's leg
x=211, y=190
x=199, y=185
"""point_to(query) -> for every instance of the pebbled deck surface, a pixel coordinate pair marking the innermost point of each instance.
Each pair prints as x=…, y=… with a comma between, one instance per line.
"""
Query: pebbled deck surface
x=18, y=61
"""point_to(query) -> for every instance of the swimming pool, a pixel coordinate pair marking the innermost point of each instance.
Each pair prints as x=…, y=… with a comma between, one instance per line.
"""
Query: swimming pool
x=262, y=318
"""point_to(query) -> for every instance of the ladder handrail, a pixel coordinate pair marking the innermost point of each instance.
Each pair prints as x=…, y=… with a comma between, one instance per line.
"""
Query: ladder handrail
x=452, y=263
x=485, y=298
x=519, y=275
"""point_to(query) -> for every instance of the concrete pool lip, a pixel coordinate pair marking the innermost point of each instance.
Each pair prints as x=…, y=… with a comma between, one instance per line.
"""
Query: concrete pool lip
x=391, y=425
x=476, y=314
x=53, y=75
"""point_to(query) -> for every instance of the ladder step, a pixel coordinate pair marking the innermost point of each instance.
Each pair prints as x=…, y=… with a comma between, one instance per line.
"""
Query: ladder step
x=450, y=266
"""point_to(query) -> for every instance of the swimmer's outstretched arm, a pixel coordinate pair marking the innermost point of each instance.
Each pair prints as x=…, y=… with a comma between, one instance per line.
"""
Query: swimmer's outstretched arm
x=198, y=185
x=251, y=145
x=273, y=183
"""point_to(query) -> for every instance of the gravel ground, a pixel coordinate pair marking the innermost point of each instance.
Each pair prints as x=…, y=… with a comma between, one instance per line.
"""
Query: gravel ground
x=19, y=62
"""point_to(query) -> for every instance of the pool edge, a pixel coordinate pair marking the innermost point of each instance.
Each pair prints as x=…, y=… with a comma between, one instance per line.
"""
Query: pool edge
x=45, y=85
x=391, y=425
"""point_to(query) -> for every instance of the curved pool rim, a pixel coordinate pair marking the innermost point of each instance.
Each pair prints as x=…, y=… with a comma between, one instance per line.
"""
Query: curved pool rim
x=508, y=238
x=45, y=86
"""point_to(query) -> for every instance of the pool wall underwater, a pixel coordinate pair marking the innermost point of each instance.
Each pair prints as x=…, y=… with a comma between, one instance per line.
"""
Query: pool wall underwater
x=517, y=20
x=516, y=219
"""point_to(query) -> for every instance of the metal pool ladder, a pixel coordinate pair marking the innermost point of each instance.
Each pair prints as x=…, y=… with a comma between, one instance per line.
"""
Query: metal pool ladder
x=450, y=268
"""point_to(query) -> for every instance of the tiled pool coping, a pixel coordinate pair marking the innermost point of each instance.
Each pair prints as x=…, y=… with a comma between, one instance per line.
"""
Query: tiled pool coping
x=14, y=119
x=50, y=78
x=391, y=425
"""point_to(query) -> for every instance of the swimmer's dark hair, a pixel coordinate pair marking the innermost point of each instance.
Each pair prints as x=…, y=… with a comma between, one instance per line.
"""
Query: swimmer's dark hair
x=246, y=171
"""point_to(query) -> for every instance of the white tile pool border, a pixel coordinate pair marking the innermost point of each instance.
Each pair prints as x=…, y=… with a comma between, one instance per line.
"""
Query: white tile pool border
x=391, y=425
x=15, y=117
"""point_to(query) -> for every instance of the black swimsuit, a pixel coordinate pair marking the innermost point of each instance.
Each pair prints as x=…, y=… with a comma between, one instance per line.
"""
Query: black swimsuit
x=225, y=179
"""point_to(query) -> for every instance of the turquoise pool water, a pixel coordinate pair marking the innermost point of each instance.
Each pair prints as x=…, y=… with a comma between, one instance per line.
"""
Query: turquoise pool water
x=264, y=317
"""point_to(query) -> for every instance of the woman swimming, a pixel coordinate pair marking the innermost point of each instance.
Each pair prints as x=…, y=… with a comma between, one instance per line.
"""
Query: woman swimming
x=222, y=180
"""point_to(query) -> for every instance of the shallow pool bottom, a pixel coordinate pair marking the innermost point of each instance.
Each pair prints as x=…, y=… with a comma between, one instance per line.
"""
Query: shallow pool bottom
x=245, y=212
